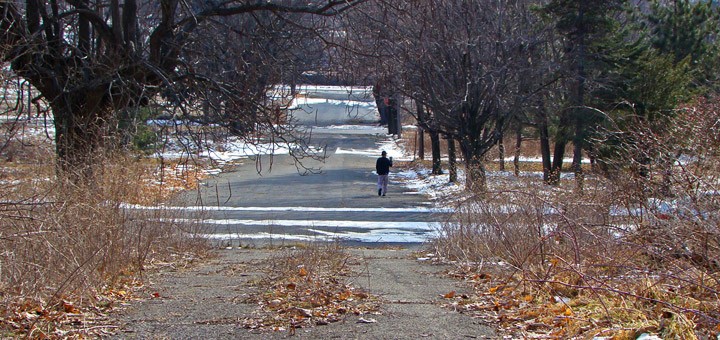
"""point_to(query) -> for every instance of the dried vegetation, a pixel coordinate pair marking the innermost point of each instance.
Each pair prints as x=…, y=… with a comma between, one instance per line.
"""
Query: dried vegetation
x=631, y=254
x=306, y=287
x=69, y=253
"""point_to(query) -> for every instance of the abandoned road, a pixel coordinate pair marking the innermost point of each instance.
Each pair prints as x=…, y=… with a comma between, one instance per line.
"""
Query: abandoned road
x=271, y=200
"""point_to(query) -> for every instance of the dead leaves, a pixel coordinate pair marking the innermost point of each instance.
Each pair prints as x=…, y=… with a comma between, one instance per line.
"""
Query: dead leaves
x=62, y=319
x=309, y=302
x=302, y=272
x=307, y=295
x=560, y=308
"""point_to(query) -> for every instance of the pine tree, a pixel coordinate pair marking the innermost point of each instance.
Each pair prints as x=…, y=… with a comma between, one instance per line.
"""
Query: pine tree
x=584, y=25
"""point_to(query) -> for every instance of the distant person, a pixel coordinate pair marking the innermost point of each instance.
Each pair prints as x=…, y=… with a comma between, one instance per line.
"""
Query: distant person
x=382, y=166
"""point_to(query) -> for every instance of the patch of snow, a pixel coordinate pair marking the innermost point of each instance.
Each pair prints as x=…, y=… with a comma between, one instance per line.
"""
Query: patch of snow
x=238, y=150
x=170, y=122
x=380, y=235
x=353, y=127
x=262, y=236
x=288, y=209
x=372, y=225
x=349, y=104
x=434, y=186
x=647, y=336
x=366, y=152
x=525, y=159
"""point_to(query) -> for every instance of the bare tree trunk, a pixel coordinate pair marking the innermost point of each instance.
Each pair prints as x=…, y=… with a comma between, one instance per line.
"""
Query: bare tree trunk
x=398, y=116
x=557, y=163
x=559, y=153
x=476, y=179
x=501, y=150
x=78, y=141
x=542, y=125
x=577, y=166
x=545, y=152
x=452, y=163
x=420, y=109
x=421, y=143
x=518, y=145
x=436, y=161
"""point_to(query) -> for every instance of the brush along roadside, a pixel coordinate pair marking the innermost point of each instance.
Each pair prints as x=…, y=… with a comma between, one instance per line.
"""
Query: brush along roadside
x=70, y=253
x=546, y=262
x=307, y=286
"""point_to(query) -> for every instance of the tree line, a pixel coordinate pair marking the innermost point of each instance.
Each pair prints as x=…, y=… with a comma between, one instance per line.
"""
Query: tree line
x=563, y=71
x=98, y=63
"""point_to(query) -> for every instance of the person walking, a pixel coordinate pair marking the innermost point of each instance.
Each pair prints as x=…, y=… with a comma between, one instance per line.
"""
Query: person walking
x=382, y=166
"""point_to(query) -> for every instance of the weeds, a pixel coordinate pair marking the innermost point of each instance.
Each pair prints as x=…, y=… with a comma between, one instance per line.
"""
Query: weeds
x=635, y=253
x=68, y=252
x=307, y=288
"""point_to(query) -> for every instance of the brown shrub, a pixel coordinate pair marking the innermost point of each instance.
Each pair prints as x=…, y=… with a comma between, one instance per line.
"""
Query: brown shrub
x=62, y=242
x=635, y=247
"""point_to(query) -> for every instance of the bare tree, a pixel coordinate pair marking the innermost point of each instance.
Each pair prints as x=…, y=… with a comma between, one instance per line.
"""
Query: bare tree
x=460, y=59
x=92, y=60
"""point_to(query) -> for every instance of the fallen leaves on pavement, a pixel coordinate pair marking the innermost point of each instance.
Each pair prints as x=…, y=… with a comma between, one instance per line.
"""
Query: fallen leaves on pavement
x=308, y=289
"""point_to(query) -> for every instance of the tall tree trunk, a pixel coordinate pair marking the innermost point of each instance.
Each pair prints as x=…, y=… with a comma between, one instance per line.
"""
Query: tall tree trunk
x=545, y=147
x=579, y=102
x=421, y=131
x=561, y=139
x=398, y=115
x=452, y=163
x=518, y=145
x=79, y=141
x=421, y=143
x=476, y=179
x=501, y=150
x=556, y=169
x=436, y=161
x=577, y=165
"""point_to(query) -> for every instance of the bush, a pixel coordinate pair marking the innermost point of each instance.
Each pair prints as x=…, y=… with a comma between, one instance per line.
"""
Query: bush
x=64, y=247
x=639, y=251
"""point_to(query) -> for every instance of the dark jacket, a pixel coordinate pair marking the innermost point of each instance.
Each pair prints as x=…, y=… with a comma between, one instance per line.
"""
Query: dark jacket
x=382, y=166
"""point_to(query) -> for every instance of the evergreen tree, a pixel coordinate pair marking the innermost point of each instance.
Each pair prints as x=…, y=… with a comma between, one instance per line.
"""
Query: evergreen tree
x=584, y=25
x=686, y=29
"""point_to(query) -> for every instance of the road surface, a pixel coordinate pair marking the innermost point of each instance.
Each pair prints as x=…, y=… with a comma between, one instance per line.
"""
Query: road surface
x=281, y=204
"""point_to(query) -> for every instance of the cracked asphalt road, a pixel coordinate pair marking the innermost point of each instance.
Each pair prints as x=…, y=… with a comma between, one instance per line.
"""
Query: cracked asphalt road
x=210, y=301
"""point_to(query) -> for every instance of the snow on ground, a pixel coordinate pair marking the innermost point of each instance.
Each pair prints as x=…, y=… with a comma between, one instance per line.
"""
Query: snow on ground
x=230, y=151
x=349, y=129
x=369, y=225
x=288, y=209
x=393, y=149
x=299, y=102
x=436, y=187
x=237, y=149
x=382, y=235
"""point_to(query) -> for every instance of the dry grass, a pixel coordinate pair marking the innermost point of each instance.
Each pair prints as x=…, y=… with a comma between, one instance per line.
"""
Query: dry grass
x=68, y=252
x=307, y=286
x=546, y=262
x=622, y=259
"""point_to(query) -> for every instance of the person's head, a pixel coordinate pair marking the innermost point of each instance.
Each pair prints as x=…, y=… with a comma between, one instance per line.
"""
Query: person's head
x=384, y=154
